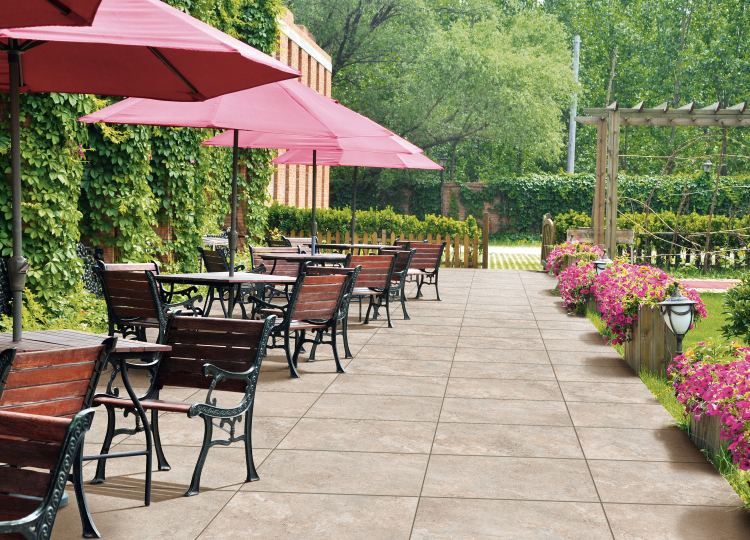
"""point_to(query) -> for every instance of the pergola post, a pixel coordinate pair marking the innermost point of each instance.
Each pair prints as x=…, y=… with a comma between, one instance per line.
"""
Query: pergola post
x=613, y=158
x=597, y=211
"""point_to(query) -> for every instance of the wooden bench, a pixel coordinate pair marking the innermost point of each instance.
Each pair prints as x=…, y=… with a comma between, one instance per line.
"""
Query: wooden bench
x=207, y=354
x=425, y=265
x=56, y=389
x=280, y=268
x=398, y=280
x=301, y=243
x=153, y=266
x=374, y=280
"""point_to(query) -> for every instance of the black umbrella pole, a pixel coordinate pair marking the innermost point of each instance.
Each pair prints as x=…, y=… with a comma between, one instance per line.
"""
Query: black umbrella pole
x=17, y=265
x=354, y=204
x=314, y=224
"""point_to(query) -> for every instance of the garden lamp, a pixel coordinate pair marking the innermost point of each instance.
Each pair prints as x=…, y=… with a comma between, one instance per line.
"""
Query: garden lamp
x=707, y=166
x=601, y=263
x=678, y=313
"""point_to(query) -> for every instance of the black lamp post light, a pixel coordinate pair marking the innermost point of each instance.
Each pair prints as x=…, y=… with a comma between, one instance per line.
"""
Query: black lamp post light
x=601, y=263
x=678, y=313
x=707, y=166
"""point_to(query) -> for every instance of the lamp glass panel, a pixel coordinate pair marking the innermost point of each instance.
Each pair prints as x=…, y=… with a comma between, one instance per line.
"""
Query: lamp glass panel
x=681, y=321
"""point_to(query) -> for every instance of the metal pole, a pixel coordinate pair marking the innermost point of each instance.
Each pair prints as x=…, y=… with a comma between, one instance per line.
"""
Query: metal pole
x=442, y=171
x=573, y=109
x=233, y=222
x=17, y=265
x=314, y=224
x=354, y=204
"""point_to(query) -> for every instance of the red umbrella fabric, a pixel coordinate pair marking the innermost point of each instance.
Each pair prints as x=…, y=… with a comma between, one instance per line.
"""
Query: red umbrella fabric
x=21, y=13
x=353, y=158
x=142, y=48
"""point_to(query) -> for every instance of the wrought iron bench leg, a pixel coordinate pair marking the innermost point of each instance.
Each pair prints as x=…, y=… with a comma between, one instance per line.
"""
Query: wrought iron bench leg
x=160, y=459
x=287, y=350
x=345, y=333
x=299, y=340
x=437, y=292
x=195, y=482
x=252, y=474
x=101, y=466
x=388, y=308
x=89, y=529
x=339, y=367
x=420, y=282
x=369, y=307
x=402, y=294
x=209, y=301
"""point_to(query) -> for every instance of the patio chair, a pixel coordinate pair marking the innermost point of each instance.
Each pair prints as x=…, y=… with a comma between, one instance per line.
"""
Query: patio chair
x=281, y=268
x=132, y=305
x=314, y=306
x=398, y=281
x=207, y=354
x=45, y=397
x=153, y=266
x=374, y=280
x=216, y=261
x=425, y=265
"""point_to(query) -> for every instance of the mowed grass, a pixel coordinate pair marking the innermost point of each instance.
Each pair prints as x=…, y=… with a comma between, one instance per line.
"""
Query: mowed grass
x=709, y=328
x=514, y=261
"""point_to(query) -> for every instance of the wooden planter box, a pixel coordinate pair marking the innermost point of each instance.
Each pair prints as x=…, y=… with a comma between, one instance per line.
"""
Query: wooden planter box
x=653, y=345
x=592, y=305
x=705, y=434
x=570, y=260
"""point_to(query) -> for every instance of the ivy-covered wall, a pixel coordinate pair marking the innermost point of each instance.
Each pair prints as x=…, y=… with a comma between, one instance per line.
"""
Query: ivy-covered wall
x=115, y=185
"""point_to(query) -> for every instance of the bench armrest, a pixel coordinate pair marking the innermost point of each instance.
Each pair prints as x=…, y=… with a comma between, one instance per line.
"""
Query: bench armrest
x=189, y=304
x=210, y=409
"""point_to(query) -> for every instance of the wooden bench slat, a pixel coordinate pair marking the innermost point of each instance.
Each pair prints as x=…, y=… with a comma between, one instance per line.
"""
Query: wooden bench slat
x=25, y=453
x=24, y=481
x=41, y=428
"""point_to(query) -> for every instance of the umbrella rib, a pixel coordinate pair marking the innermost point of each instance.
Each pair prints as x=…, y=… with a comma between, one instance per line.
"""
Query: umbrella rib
x=65, y=10
x=172, y=68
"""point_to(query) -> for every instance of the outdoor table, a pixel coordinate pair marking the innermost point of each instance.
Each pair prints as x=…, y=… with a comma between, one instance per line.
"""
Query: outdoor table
x=350, y=246
x=224, y=280
x=44, y=340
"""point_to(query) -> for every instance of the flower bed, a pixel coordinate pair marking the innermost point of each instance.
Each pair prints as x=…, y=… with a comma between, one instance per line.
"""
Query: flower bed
x=569, y=253
x=714, y=381
x=576, y=285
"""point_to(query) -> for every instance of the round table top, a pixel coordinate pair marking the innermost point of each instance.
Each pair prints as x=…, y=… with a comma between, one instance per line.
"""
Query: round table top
x=302, y=256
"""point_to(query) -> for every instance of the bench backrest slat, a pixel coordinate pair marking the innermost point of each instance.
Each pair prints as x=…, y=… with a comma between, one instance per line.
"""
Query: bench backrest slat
x=283, y=268
x=318, y=297
x=427, y=256
x=377, y=270
x=128, y=295
x=214, y=261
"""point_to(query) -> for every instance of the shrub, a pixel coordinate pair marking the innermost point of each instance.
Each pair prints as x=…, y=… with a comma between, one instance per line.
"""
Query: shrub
x=714, y=380
x=569, y=220
x=556, y=258
x=737, y=304
x=576, y=286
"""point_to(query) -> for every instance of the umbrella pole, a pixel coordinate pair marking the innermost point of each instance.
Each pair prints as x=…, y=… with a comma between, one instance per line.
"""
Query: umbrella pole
x=233, y=223
x=314, y=224
x=354, y=204
x=17, y=265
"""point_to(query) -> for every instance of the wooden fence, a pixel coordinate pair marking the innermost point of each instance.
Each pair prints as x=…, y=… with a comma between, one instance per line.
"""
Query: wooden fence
x=460, y=251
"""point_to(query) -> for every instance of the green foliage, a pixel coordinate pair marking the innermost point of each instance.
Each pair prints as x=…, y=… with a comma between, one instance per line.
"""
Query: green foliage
x=288, y=218
x=737, y=311
x=569, y=220
x=79, y=310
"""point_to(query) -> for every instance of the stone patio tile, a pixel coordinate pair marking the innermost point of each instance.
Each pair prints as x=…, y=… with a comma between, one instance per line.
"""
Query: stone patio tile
x=670, y=522
x=500, y=307
x=508, y=478
x=280, y=381
x=494, y=343
x=322, y=364
x=291, y=404
x=360, y=436
x=503, y=389
x=417, y=321
x=498, y=370
x=580, y=358
x=554, y=315
x=573, y=345
x=499, y=411
x=579, y=323
x=439, y=519
x=424, y=329
x=490, y=316
x=573, y=335
x=620, y=415
x=506, y=440
x=597, y=374
x=362, y=407
x=511, y=356
x=481, y=322
x=351, y=473
x=313, y=517
x=389, y=385
x=668, y=444
x=495, y=299
x=389, y=366
x=404, y=352
x=382, y=338
x=647, y=482
x=500, y=332
x=139, y=522
x=606, y=392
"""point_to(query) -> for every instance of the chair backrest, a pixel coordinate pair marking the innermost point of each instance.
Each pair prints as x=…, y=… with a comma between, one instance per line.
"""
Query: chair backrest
x=403, y=261
x=214, y=261
x=377, y=270
x=333, y=270
x=58, y=382
x=276, y=243
x=400, y=244
x=153, y=266
x=131, y=297
x=318, y=296
x=232, y=345
x=283, y=268
x=301, y=242
x=428, y=256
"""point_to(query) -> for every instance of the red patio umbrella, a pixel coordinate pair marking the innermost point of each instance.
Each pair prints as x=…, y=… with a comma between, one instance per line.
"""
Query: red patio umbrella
x=21, y=13
x=280, y=115
x=133, y=48
x=356, y=159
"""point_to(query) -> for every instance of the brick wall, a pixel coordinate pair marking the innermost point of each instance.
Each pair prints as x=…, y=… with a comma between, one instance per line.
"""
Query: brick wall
x=450, y=188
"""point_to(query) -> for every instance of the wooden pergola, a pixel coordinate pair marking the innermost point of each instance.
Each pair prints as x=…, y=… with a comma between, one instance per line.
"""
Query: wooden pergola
x=608, y=122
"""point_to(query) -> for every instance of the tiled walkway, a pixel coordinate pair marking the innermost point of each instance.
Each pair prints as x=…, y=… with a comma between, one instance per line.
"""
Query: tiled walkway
x=489, y=415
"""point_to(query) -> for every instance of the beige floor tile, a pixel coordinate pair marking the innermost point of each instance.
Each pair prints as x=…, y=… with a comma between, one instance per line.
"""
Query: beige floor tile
x=506, y=440
x=417, y=321
x=643, y=482
x=362, y=407
x=412, y=340
x=424, y=329
x=620, y=415
x=503, y=389
x=597, y=374
x=389, y=366
x=353, y=473
x=360, y=436
x=505, y=411
x=313, y=517
x=495, y=332
x=606, y=392
x=389, y=385
x=509, y=478
x=280, y=381
x=499, y=370
x=405, y=352
x=500, y=343
x=669, y=444
x=291, y=404
x=667, y=522
x=511, y=356
x=439, y=519
x=572, y=345
x=580, y=358
x=588, y=335
x=481, y=322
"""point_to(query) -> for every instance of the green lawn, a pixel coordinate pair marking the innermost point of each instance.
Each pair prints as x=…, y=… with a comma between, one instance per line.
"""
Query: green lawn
x=708, y=328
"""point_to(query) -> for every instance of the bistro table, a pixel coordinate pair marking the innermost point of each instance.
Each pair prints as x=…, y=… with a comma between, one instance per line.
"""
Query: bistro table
x=224, y=280
x=45, y=340
x=350, y=246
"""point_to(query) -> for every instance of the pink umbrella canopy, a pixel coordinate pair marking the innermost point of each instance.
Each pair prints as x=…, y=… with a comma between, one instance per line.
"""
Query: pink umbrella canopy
x=142, y=48
x=355, y=158
x=139, y=48
x=21, y=13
